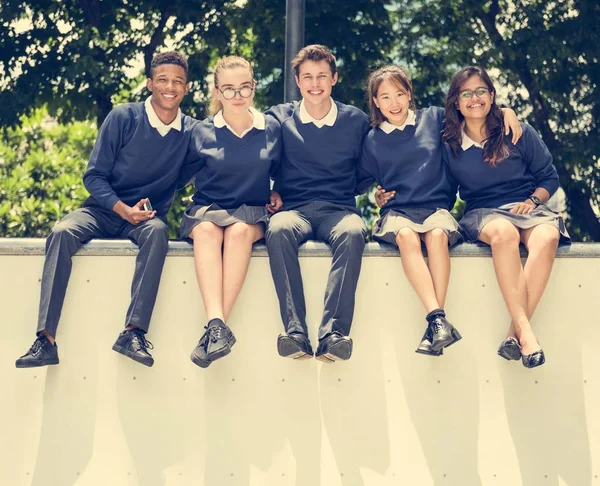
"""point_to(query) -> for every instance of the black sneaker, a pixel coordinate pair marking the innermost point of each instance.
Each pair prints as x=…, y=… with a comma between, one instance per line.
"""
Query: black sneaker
x=220, y=339
x=425, y=344
x=134, y=345
x=295, y=345
x=41, y=353
x=334, y=347
x=199, y=356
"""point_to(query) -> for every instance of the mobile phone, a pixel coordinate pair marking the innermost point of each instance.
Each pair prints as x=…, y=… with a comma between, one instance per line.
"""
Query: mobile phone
x=148, y=206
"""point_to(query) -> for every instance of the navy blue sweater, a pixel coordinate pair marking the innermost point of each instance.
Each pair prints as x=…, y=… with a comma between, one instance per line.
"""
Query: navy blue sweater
x=320, y=164
x=410, y=162
x=235, y=171
x=528, y=167
x=131, y=160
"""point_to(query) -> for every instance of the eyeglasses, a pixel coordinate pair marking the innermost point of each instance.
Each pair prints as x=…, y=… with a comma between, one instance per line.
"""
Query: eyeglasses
x=244, y=92
x=467, y=94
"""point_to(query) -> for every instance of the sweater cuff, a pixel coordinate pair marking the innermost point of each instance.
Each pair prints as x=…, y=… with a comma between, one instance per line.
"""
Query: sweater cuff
x=111, y=201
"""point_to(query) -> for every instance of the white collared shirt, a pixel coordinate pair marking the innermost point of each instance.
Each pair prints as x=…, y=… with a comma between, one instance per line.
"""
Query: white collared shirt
x=156, y=122
x=329, y=119
x=258, y=121
x=468, y=142
x=388, y=127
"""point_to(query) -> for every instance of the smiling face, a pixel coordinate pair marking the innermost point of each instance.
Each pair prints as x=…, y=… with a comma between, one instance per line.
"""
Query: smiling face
x=393, y=101
x=240, y=80
x=315, y=81
x=475, y=99
x=168, y=86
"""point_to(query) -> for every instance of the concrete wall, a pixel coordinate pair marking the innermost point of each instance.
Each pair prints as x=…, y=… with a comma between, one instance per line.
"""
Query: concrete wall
x=386, y=417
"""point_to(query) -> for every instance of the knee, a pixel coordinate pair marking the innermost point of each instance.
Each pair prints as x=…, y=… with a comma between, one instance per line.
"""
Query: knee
x=281, y=227
x=350, y=231
x=239, y=233
x=504, y=233
x=157, y=232
x=61, y=233
x=436, y=237
x=407, y=239
x=546, y=240
x=207, y=232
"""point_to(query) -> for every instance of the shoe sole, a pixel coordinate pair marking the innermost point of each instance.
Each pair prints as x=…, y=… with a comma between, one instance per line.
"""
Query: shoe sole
x=341, y=351
x=125, y=352
x=222, y=352
x=510, y=352
x=37, y=364
x=430, y=353
x=199, y=361
x=454, y=338
x=289, y=348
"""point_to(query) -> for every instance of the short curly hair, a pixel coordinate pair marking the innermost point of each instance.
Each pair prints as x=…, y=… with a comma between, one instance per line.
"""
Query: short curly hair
x=170, y=57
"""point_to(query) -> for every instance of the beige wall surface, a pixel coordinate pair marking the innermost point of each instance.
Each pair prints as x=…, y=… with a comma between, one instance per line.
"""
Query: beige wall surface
x=386, y=417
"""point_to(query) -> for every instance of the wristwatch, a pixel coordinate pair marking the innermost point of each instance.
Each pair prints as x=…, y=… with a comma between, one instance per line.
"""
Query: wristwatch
x=535, y=200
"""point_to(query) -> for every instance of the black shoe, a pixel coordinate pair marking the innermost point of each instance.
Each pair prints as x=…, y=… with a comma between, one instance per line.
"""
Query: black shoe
x=425, y=345
x=334, y=347
x=41, y=353
x=199, y=356
x=220, y=339
x=537, y=358
x=510, y=349
x=295, y=345
x=134, y=345
x=444, y=334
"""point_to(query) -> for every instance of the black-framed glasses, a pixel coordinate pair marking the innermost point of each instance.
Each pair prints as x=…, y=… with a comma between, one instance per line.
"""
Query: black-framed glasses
x=244, y=92
x=467, y=94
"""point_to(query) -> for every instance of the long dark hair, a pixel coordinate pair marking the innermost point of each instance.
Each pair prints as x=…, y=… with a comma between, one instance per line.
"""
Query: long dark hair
x=495, y=149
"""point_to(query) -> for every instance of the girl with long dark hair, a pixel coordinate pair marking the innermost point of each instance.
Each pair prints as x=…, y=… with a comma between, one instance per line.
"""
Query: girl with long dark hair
x=505, y=186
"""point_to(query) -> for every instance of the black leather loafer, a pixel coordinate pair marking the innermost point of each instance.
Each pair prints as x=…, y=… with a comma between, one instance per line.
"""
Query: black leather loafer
x=510, y=349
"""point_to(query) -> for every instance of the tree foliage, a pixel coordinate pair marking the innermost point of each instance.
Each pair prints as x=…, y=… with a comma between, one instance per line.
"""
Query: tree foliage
x=77, y=58
x=547, y=56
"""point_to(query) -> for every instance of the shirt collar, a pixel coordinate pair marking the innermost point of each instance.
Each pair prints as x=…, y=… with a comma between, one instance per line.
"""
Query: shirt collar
x=156, y=122
x=258, y=121
x=468, y=142
x=411, y=120
x=329, y=119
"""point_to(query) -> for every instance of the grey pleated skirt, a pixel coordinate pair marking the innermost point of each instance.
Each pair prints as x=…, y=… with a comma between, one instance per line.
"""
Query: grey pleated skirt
x=420, y=221
x=196, y=214
x=473, y=222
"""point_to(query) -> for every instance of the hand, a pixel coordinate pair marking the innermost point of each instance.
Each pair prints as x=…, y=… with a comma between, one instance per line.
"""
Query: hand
x=382, y=197
x=511, y=122
x=134, y=215
x=275, y=202
x=524, y=207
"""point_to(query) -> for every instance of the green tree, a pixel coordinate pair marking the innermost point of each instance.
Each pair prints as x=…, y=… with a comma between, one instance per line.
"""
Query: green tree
x=545, y=52
x=41, y=168
x=76, y=56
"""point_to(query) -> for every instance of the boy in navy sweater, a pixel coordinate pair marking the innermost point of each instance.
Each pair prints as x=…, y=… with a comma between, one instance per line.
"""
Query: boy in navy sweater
x=317, y=181
x=138, y=157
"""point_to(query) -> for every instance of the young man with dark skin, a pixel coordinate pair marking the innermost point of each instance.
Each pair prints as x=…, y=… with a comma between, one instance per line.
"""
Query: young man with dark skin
x=139, y=156
x=317, y=180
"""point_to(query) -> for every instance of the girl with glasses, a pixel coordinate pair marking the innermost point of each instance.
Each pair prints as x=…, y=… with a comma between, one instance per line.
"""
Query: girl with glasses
x=505, y=186
x=403, y=152
x=239, y=148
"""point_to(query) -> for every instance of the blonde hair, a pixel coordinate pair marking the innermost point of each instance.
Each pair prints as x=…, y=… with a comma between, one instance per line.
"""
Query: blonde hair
x=228, y=62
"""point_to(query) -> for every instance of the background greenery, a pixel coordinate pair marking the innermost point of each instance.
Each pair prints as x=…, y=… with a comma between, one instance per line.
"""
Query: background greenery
x=65, y=64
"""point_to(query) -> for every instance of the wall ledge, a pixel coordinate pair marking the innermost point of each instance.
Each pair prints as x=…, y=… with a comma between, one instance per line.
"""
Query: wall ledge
x=98, y=247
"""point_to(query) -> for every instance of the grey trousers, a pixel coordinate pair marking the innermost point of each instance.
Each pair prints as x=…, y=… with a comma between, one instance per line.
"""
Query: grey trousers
x=344, y=230
x=80, y=226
